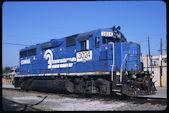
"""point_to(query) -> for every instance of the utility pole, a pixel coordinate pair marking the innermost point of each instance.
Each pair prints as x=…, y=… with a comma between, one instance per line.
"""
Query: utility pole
x=147, y=63
x=161, y=76
x=149, y=53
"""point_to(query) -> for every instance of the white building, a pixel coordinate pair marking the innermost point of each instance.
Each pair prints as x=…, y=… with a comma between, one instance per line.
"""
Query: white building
x=156, y=63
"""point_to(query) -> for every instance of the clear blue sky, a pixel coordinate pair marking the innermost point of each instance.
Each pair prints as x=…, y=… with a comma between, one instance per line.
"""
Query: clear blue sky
x=36, y=22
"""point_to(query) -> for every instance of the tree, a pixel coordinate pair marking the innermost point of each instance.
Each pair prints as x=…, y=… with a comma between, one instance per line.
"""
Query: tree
x=7, y=69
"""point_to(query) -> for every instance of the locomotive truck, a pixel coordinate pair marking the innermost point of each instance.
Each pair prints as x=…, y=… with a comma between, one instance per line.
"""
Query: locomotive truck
x=101, y=61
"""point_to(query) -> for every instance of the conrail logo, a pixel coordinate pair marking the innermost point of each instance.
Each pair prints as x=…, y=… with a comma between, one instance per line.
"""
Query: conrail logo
x=63, y=63
x=58, y=63
x=49, y=56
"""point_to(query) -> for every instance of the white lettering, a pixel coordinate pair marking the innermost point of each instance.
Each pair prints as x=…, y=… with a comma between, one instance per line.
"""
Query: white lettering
x=48, y=55
x=26, y=61
x=105, y=33
x=80, y=57
x=62, y=65
x=84, y=56
x=72, y=59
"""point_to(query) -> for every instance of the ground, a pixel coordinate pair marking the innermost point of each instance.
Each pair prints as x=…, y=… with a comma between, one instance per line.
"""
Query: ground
x=70, y=102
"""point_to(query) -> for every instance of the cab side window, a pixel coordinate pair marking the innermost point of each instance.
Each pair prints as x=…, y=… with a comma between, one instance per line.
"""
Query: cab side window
x=97, y=42
x=84, y=45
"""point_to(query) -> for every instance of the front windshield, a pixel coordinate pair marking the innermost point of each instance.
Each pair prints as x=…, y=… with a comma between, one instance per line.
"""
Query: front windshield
x=116, y=36
x=106, y=40
x=120, y=36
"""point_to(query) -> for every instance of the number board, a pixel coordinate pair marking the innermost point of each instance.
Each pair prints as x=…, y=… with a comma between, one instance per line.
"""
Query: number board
x=84, y=56
x=105, y=33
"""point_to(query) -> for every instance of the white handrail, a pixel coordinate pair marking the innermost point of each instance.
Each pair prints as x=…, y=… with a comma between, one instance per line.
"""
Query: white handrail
x=122, y=67
x=112, y=74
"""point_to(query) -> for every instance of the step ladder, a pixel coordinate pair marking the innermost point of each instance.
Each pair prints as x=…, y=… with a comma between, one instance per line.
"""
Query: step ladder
x=118, y=88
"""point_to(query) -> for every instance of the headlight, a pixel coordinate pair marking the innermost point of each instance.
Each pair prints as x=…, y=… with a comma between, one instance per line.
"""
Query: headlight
x=117, y=73
x=133, y=76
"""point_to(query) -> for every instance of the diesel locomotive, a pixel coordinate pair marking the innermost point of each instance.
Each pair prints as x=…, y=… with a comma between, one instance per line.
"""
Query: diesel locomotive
x=101, y=61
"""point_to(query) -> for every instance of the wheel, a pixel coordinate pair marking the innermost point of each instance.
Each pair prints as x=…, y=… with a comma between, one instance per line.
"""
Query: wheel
x=79, y=86
x=103, y=86
x=69, y=86
x=22, y=86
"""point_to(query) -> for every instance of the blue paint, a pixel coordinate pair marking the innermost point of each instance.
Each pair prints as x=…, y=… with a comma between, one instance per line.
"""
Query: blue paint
x=102, y=57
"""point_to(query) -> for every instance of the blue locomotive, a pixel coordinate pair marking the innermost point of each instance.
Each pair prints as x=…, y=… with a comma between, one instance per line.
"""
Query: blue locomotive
x=95, y=62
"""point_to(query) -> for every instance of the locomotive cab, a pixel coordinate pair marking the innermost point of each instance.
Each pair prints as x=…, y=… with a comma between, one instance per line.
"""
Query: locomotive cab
x=125, y=64
x=107, y=50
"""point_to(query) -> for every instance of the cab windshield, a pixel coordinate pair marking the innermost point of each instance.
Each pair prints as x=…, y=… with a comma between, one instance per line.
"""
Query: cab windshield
x=120, y=36
x=106, y=40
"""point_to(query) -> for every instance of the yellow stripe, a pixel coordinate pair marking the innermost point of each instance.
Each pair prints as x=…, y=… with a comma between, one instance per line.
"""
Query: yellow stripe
x=56, y=74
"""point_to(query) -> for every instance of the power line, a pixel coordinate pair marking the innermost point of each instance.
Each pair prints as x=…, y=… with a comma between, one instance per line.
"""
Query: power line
x=162, y=49
x=15, y=44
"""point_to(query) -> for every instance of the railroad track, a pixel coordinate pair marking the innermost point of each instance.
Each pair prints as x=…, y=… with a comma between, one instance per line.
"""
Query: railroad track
x=134, y=100
x=142, y=100
x=15, y=106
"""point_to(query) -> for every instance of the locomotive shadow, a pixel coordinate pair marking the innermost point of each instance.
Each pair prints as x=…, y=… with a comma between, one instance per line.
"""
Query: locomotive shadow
x=100, y=97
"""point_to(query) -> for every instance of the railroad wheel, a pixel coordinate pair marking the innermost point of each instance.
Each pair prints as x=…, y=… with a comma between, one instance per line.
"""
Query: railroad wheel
x=79, y=86
x=22, y=86
x=26, y=85
x=69, y=86
x=103, y=86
